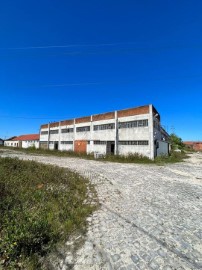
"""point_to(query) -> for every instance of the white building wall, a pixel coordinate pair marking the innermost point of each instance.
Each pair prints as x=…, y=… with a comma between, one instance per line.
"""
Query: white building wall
x=124, y=134
x=44, y=137
x=134, y=149
x=67, y=136
x=27, y=144
x=66, y=147
x=86, y=135
x=97, y=148
x=135, y=133
x=11, y=143
x=54, y=137
x=148, y=133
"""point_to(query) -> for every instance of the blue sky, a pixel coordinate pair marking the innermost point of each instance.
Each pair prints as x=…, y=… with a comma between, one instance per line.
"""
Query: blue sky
x=64, y=59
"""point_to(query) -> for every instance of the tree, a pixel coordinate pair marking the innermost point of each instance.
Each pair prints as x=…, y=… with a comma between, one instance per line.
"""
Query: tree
x=176, y=142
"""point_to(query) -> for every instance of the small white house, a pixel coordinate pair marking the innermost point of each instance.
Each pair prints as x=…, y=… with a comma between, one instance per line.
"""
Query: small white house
x=24, y=141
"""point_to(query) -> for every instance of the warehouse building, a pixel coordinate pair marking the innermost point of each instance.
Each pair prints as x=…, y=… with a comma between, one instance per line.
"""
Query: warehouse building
x=134, y=130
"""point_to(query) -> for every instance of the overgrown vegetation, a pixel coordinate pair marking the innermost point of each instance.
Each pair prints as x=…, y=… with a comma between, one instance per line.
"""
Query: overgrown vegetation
x=172, y=158
x=131, y=158
x=176, y=142
x=40, y=205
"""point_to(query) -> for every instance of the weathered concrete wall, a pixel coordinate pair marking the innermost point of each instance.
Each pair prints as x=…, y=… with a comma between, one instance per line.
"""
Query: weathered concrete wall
x=162, y=148
x=114, y=134
x=27, y=144
x=134, y=149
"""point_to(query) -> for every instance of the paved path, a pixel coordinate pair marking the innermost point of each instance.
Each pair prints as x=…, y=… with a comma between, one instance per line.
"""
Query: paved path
x=150, y=216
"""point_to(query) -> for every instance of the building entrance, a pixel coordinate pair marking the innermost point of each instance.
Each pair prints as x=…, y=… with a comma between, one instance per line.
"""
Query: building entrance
x=56, y=146
x=110, y=148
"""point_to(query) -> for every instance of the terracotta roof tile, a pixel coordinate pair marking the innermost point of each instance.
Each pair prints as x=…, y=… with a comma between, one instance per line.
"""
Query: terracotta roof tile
x=28, y=137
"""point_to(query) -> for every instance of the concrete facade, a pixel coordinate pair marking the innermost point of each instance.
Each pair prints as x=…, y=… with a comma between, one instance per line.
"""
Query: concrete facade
x=135, y=130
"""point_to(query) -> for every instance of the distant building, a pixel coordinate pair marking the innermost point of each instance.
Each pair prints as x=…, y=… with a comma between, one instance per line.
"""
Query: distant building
x=1, y=142
x=9, y=142
x=197, y=146
x=135, y=130
x=23, y=141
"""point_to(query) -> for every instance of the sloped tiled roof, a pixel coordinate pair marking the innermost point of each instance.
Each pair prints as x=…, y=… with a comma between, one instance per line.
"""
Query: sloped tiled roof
x=28, y=137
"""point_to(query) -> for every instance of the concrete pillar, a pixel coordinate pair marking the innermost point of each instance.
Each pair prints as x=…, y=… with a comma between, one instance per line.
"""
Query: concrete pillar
x=74, y=137
x=59, y=132
x=151, y=131
x=91, y=134
x=48, y=135
x=116, y=134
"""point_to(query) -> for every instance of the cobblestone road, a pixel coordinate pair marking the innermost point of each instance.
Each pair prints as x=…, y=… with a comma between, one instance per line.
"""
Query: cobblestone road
x=150, y=216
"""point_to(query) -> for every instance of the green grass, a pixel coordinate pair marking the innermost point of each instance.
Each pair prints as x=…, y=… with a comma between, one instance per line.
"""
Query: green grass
x=40, y=205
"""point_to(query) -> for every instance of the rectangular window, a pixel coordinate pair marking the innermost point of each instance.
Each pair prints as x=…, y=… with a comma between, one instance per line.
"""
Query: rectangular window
x=133, y=142
x=83, y=129
x=67, y=130
x=104, y=127
x=43, y=142
x=51, y=142
x=100, y=142
x=44, y=132
x=54, y=131
x=66, y=142
x=143, y=143
x=133, y=124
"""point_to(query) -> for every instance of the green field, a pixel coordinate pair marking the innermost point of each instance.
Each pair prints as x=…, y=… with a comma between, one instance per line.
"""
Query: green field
x=40, y=206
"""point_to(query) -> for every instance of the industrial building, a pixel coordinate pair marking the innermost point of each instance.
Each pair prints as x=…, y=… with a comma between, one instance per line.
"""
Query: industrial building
x=134, y=130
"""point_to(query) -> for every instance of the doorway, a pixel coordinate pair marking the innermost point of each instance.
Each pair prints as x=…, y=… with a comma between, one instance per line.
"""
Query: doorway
x=56, y=146
x=110, y=148
x=80, y=146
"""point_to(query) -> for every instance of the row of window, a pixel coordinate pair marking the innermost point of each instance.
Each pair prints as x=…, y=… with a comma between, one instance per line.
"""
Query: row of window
x=143, y=142
x=67, y=142
x=132, y=124
x=67, y=130
x=44, y=132
x=129, y=124
x=104, y=127
x=55, y=131
x=133, y=142
x=100, y=142
x=83, y=129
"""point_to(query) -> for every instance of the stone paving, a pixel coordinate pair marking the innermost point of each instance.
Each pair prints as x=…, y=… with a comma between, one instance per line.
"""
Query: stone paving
x=150, y=216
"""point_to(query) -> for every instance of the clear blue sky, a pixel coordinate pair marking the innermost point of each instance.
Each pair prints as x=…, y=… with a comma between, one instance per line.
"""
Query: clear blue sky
x=64, y=59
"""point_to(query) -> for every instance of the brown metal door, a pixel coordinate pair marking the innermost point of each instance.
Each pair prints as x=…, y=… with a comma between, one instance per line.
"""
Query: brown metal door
x=80, y=146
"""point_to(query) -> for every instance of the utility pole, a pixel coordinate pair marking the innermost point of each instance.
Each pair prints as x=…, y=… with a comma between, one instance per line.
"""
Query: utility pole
x=172, y=129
